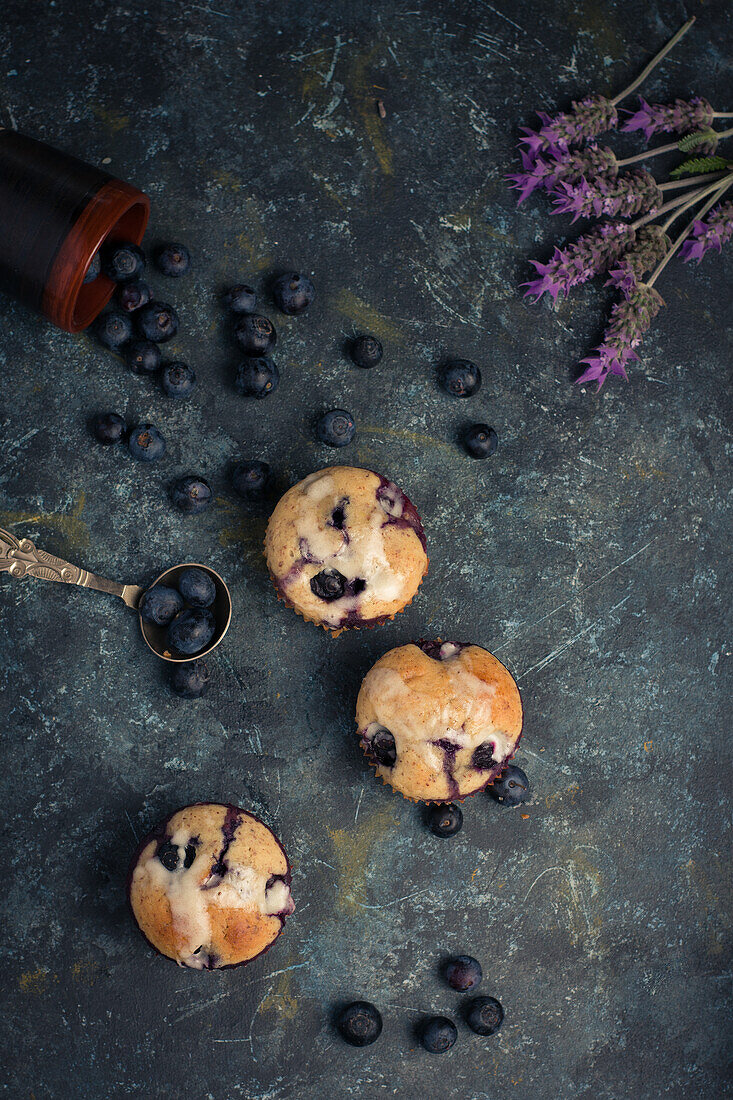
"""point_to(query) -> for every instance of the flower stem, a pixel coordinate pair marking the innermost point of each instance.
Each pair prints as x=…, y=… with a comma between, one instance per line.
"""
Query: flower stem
x=654, y=61
x=671, y=205
x=669, y=148
x=687, y=230
x=722, y=114
x=672, y=184
x=691, y=201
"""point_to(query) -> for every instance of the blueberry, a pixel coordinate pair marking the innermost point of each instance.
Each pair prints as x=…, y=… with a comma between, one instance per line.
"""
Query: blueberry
x=191, y=494
x=95, y=266
x=445, y=820
x=240, y=299
x=250, y=478
x=173, y=260
x=480, y=441
x=336, y=428
x=366, y=351
x=438, y=1034
x=146, y=443
x=293, y=293
x=510, y=788
x=108, y=427
x=460, y=378
x=123, y=261
x=257, y=377
x=463, y=973
x=160, y=605
x=255, y=334
x=383, y=747
x=191, y=630
x=328, y=585
x=177, y=380
x=197, y=587
x=190, y=679
x=142, y=356
x=168, y=855
x=484, y=1015
x=113, y=329
x=360, y=1023
x=157, y=321
x=132, y=296
x=483, y=756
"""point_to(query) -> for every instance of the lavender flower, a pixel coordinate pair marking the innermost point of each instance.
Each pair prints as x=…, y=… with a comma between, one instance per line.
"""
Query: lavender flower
x=679, y=117
x=590, y=255
x=713, y=233
x=570, y=167
x=630, y=318
x=651, y=246
x=632, y=193
x=589, y=117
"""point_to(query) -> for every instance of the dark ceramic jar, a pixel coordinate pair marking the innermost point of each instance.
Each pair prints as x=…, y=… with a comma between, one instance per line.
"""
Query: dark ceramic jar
x=55, y=213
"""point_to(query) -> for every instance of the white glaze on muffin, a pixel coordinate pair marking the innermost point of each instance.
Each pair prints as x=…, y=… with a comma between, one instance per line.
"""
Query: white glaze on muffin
x=346, y=548
x=438, y=720
x=210, y=887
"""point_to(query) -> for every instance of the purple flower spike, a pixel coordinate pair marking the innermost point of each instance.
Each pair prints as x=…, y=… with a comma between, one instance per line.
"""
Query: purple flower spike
x=630, y=319
x=623, y=196
x=679, y=117
x=569, y=167
x=590, y=255
x=650, y=248
x=713, y=233
x=588, y=118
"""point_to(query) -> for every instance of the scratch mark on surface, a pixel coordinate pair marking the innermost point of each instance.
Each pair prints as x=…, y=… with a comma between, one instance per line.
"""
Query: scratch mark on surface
x=358, y=804
x=555, y=653
x=541, y=875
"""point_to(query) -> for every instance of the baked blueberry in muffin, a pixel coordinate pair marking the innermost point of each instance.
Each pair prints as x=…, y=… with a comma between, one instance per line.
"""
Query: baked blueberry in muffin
x=210, y=886
x=438, y=720
x=346, y=548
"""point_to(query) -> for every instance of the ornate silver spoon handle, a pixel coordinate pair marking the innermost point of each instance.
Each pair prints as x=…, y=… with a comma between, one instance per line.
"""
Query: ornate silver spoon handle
x=20, y=558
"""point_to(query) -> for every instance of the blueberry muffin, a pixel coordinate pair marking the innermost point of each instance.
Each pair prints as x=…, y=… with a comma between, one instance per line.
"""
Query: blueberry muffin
x=210, y=886
x=346, y=548
x=438, y=720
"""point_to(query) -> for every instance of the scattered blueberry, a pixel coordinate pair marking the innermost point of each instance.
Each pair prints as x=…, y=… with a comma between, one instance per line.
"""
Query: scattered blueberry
x=438, y=1034
x=191, y=630
x=293, y=293
x=250, y=478
x=197, y=587
x=190, y=679
x=191, y=494
x=480, y=441
x=142, y=356
x=132, y=296
x=383, y=747
x=177, y=380
x=484, y=1015
x=460, y=378
x=123, y=261
x=257, y=377
x=463, y=973
x=95, y=266
x=511, y=788
x=255, y=334
x=157, y=321
x=328, y=585
x=113, y=329
x=108, y=427
x=160, y=605
x=146, y=443
x=240, y=299
x=445, y=820
x=336, y=428
x=366, y=351
x=359, y=1023
x=173, y=260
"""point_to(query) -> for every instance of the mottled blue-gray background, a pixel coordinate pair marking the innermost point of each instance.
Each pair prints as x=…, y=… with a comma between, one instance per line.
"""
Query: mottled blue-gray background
x=592, y=554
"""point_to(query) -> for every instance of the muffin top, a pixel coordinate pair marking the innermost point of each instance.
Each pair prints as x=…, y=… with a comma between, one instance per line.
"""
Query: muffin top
x=438, y=720
x=210, y=886
x=346, y=548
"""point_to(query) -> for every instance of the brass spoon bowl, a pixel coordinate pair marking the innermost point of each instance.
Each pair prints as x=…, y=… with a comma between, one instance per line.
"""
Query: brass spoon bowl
x=21, y=559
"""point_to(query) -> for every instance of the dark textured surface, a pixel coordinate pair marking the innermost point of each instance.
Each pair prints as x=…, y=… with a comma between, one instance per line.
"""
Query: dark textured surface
x=591, y=554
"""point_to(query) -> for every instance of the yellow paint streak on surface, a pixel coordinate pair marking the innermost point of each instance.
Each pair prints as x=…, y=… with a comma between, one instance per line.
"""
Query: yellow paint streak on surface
x=226, y=180
x=280, y=999
x=353, y=848
x=241, y=528
x=114, y=121
x=403, y=433
x=69, y=524
x=84, y=972
x=368, y=318
x=708, y=897
x=34, y=981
